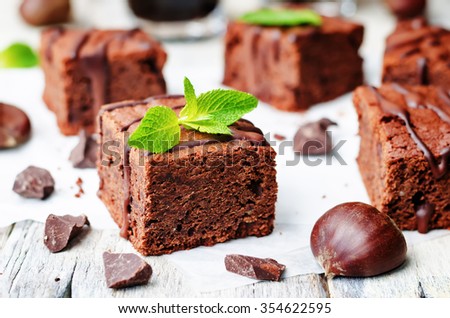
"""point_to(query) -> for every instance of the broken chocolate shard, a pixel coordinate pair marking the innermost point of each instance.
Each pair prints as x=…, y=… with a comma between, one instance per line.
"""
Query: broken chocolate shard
x=59, y=230
x=253, y=267
x=125, y=270
x=34, y=182
x=84, y=155
x=313, y=138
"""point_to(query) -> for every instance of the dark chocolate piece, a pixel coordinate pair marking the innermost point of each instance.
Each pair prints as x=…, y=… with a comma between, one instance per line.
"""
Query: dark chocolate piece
x=313, y=138
x=15, y=126
x=34, y=182
x=84, y=155
x=253, y=267
x=125, y=270
x=59, y=230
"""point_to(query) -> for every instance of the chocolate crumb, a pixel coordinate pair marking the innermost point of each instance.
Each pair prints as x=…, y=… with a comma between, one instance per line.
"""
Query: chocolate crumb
x=84, y=155
x=313, y=138
x=57, y=279
x=125, y=270
x=59, y=230
x=279, y=137
x=253, y=267
x=79, y=183
x=34, y=182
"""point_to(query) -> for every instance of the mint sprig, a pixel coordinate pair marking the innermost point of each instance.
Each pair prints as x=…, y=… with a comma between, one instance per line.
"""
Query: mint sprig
x=282, y=17
x=211, y=112
x=18, y=55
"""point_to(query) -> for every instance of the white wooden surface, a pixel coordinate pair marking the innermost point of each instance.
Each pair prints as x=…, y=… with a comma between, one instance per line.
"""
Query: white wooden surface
x=28, y=269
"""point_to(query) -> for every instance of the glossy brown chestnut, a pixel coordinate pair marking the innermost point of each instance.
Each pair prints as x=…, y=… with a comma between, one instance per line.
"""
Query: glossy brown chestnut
x=407, y=8
x=43, y=12
x=15, y=127
x=355, y=239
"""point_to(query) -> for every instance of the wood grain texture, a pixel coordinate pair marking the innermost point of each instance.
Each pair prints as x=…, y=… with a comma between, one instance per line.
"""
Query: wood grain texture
x=4, y=234
x=433, y=267
x=30, y=270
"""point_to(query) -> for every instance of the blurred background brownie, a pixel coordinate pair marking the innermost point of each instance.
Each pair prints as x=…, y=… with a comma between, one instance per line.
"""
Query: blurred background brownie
x=405, y=153
x=85, y=69
x=206, y=190
x=418, y=54
x=293, y=68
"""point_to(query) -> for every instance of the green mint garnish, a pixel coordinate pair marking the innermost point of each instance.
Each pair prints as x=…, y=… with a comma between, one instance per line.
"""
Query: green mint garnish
x=211, y=112
x=282, y=17
x=18, y=55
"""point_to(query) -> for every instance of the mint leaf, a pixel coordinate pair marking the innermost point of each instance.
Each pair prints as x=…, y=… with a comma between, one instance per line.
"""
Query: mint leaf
x=190, y=109
x=208, y=126
x=213, y=111
x=18, y=55
x=158, y=131
x=282, y=17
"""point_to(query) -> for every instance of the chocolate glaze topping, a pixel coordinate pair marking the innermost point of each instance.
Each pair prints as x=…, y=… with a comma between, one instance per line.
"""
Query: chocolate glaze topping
x=56, y=33
x=413, y=100
x=424, y=213
x=241, y=130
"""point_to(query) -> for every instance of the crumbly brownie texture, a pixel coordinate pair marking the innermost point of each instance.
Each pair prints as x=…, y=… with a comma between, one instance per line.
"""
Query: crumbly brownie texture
x=417, y=54
x=294, y=68
x=405, y=153
x=206, y=190
x=86, y=69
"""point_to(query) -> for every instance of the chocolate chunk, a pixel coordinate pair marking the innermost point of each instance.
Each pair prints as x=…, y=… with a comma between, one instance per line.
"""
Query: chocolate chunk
x=313, y=138
x=125, y=270
x=59, y=230
x=84, y=155
x=34, y=182
x=253, y=267
x=15, y=127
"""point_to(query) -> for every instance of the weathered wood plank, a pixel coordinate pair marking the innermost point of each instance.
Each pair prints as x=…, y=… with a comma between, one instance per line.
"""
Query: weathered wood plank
x=433, y=267
x=29, y=269
x=88, y=279
x=303, y=286
x=402, y=282
x=4, y=234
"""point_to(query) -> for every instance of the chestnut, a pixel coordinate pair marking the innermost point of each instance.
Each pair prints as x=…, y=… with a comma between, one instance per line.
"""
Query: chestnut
x=43, y=12
x=15, y=126
x=404, y=9
x=355, y=239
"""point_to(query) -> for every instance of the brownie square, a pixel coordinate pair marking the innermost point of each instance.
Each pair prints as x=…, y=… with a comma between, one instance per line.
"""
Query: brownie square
x=85, y=69
x=417, y=54
x=405, y=153
x=206, y=190
x=293, y=68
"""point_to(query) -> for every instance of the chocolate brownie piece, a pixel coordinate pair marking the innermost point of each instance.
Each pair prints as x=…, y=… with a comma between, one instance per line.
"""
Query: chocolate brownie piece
x=417, y=54
x=206, y=190
x=293, y=68
x=405, y=153
x=85, y=69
